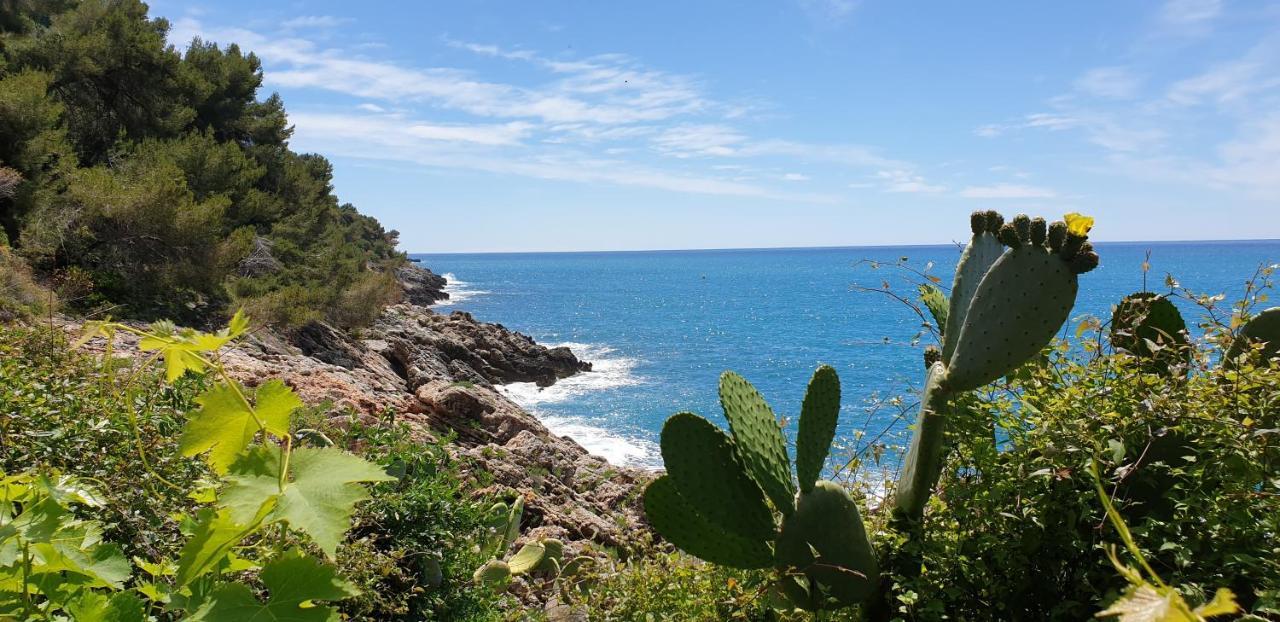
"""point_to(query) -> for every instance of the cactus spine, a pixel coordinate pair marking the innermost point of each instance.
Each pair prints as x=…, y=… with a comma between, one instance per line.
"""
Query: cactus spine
x=714, y=501
x=1006, y=305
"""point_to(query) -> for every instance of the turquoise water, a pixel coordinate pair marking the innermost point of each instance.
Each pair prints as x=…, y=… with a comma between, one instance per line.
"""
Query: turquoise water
x=660, y=326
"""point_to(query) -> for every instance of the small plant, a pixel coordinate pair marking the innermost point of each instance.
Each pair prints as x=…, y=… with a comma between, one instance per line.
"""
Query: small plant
x=543, y=556
x=1150, y=599
x=265, y=493
x=1262, y=332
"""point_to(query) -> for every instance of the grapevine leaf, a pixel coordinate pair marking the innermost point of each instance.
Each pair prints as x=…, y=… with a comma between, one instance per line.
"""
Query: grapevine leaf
x=238, y=325
x=324, y=492
x=101, y=565
x=253, y=484
x=89, y=606
x=318, y=501
x=1223, y=603
x=275, y=401
x=292, y=581
x=223, y=424
x=214, y=536
x=179, y=357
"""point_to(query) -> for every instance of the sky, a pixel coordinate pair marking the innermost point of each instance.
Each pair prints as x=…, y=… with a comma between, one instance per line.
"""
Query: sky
x=474, y=126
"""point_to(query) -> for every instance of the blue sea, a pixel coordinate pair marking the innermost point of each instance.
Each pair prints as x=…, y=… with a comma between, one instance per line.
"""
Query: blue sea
x=661, y=326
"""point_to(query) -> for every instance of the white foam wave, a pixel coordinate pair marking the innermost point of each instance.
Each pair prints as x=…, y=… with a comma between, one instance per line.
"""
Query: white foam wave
x=459, y=291
x=607, y=372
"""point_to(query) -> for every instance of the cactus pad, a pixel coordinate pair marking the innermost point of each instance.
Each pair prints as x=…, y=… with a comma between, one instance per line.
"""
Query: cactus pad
x=827, y=522
x=527, y=558
x=982, y=251
x=705, y=468
x=758, y=439
x=1019, y=306
x=923, y=462
x=494, y=574
x=1264, y=328
x=1144, y=319
x=553, y=557
x=673, y=517
x=818, y=416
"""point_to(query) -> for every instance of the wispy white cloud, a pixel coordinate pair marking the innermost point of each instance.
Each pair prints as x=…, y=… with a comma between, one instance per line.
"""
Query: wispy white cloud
x=829, y=11
x=1190, y=12
x=1007, y=191
x=314, y=22
x=1109, y=83
x=796, y=177
x=905, y=181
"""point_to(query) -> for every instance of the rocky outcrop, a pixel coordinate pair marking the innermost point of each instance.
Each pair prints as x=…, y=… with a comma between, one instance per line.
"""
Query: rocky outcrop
x=440, y=374
x=421, y=286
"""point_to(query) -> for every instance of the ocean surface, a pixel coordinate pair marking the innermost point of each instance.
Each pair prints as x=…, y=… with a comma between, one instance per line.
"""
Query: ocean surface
x=661, y=326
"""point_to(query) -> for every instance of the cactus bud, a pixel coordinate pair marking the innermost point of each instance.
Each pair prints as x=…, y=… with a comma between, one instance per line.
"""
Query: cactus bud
x=1009, y=236
x=1038, y=231
x=1071, y=247
x=1084, y=262
x=1022, y=225
x=994, y=222
x=1057, y=235
x=978, y=222
x=932, y=355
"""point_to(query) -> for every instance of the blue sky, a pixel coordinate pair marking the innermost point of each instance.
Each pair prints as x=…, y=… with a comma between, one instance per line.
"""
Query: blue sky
x=525, y=126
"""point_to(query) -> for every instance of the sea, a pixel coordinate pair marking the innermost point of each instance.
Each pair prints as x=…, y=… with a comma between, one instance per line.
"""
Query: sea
x=660, y=326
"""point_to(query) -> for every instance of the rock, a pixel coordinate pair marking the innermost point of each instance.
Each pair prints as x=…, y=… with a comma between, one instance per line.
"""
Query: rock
x=439, y=374
x=422, y=287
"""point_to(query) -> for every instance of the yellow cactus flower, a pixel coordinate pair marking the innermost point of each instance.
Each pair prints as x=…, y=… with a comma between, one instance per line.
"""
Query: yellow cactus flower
x=1078, y=224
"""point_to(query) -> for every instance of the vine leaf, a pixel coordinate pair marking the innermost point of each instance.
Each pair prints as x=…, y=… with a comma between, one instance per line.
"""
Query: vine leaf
x=96, y=606
x=214, y=536
x=224, y=425
x=294, y=582
x=318, y=501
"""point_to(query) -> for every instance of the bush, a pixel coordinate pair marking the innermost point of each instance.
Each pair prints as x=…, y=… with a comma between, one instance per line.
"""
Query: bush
x=20, y=295
x=1017, y=531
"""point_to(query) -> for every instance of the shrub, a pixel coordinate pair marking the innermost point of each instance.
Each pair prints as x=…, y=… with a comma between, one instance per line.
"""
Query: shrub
x=20, y=295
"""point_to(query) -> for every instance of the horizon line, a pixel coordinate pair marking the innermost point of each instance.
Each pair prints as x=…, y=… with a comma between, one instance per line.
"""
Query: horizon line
x=828, y=247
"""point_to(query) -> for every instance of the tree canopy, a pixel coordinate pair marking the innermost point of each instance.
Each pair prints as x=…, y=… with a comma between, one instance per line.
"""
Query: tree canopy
x=156, y=180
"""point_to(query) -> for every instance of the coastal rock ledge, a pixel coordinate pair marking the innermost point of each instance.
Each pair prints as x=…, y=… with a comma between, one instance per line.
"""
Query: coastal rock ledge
x=439, y=374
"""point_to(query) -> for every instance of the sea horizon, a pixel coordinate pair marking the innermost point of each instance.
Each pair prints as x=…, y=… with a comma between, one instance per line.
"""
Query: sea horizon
x=956, y=243
x=660, y=325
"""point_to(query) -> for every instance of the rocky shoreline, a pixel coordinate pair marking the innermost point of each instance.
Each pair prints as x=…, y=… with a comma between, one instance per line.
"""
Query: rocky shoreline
x=439, y=374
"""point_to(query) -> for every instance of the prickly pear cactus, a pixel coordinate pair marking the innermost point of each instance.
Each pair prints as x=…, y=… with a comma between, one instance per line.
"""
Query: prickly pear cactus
x=712, y=501
x=982, y=251
x=826, y=541
x=1006, y=306
x=1019, y=306
x=1263, y=329
x=1151, y=328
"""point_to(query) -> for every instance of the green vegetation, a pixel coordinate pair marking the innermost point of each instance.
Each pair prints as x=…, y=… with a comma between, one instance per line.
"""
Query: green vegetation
x=106, y=439
x=159, y=185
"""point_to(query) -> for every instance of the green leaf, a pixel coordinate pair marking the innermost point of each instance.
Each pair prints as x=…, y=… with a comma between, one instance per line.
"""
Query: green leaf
x=215, y=535
x=238, y=325
x=223, y=424
x=937, y=304
x=89, y=606
x=179, y=357
x=275, y=402
x=294, y=582
x=253, y=485
x=1223, y=603
x=318, y=500
x=102, y=565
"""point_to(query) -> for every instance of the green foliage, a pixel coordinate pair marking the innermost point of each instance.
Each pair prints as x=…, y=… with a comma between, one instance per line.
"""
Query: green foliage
x=711, y=503
x=21, y=297
x=1151, y=328
x=1262, y=332
x=164, y=180
x=1016, y=532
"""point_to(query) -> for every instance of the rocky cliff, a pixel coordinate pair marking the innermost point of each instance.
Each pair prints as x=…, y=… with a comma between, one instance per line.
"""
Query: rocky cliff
x=439, y=373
